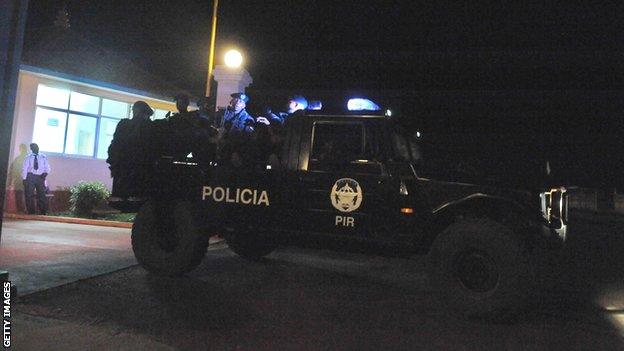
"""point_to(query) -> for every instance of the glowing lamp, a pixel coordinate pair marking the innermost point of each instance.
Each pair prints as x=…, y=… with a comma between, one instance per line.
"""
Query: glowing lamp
x=233, y=59
x=360, y=104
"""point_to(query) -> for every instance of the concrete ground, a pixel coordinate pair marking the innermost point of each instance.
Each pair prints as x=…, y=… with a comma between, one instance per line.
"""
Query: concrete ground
x=41, y=255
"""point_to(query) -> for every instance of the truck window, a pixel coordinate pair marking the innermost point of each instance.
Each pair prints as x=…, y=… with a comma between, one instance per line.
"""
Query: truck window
x=338, y=142
x=344, y=145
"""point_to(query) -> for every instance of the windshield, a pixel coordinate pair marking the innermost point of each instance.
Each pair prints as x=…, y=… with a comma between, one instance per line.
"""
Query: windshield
x=406, y=148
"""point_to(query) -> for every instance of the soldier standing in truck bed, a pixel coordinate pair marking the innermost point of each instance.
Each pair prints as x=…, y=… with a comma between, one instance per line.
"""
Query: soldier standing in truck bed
x=129, y=154
x=237, y=131
x=236, y=119
x=190, y=133
x=271, y=140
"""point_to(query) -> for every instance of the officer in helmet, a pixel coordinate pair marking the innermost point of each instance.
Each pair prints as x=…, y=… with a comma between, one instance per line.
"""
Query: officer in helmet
x=237, y=131
x=295, y=103
x=236, y=119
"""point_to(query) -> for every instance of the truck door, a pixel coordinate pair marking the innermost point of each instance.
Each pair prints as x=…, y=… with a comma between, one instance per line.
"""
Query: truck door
x=344, y=188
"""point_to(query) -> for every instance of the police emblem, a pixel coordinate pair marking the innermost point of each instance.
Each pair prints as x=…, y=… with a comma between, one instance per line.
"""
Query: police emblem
x=346, y=195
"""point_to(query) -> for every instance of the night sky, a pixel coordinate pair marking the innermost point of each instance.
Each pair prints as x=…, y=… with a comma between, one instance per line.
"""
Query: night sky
x=354, y=44
x=546, y=76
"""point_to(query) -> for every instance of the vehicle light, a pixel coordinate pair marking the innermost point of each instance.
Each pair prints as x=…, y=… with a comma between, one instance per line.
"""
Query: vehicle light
x=407, y=210
x=403, y=189
x=361, y=104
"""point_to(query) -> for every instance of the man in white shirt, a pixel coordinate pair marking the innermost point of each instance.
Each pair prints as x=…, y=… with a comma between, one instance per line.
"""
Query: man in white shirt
x=34, y=172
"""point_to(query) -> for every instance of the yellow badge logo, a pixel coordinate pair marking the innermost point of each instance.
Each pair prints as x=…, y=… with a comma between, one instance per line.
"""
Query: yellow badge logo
x=346, y=195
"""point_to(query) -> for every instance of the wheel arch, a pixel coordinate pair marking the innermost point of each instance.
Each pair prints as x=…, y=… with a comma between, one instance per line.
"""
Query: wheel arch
x=499, y=209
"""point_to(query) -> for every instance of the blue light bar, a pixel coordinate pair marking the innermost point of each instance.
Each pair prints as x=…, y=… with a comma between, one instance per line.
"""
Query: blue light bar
x=360, y=104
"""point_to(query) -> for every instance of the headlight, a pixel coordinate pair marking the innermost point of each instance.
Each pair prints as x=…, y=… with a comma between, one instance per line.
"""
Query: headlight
x=555, y=209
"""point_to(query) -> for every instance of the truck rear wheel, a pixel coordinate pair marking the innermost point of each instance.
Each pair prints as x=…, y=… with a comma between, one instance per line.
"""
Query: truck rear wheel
x=166, y=239
x=480, y=269
x=249, y=246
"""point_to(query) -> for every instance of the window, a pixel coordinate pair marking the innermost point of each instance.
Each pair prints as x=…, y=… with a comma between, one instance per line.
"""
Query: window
x=116, y=109
x=49, y=130
x=52, y=97
x=345, y=145
x=80, y=135
x=406, y=147
x=84, y=103
x=159, y=114
x=105, y=136
x=353, y=146
x=342, y=142
x=72, y=123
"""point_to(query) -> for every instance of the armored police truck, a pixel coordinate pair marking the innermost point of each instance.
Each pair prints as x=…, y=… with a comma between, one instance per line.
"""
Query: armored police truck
x=350, y=182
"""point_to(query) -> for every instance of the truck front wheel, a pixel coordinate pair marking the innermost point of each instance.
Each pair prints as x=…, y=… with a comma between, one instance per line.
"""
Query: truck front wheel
x=480, y=268
x=166, y=238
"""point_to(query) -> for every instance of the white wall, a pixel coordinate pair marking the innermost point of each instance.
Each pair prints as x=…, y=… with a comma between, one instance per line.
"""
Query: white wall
x=230, y=81
x=66, y=170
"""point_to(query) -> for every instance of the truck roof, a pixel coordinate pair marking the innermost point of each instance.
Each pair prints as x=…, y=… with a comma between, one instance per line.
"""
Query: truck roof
x=352, y=114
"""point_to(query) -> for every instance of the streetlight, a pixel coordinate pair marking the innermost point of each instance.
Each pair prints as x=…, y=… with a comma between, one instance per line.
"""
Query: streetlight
x=233, y=58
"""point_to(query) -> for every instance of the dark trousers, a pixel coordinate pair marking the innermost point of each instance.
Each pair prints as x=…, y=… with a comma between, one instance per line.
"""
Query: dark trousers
x=35, y=183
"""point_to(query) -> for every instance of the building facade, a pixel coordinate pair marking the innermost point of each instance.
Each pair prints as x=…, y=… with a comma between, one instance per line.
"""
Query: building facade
x=73, y=120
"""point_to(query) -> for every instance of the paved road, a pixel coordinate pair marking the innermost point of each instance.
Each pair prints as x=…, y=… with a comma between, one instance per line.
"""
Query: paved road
x=319, y=300
x=40, y=255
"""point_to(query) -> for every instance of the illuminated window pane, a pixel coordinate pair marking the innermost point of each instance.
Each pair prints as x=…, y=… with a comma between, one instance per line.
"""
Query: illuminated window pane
x=107, y=129
x=159, y=114
x=84, y=103
x=49, y=130
x=117, y=109
x=80, y=135
x=52, y=97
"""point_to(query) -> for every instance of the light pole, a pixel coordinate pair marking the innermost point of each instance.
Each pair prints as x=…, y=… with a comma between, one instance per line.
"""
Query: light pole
x=213, y=37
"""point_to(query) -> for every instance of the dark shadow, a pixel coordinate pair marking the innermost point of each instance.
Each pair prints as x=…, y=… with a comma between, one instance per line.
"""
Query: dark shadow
x=14, y=180
x=309, y=299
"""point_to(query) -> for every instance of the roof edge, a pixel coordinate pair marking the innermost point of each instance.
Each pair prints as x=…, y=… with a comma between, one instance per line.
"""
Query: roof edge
x=94, y=83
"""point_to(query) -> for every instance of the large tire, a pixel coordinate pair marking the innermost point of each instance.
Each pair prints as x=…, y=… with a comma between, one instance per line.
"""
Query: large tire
x=249, y=246
x=166, y=239
x=480, y=268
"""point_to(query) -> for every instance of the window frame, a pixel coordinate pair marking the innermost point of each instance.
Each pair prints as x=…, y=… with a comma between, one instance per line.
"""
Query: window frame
x=67, y=111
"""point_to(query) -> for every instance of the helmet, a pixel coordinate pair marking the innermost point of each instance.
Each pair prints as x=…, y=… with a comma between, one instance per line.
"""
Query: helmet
x=141, y=107
x=300, y=100
x=242, y=96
